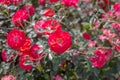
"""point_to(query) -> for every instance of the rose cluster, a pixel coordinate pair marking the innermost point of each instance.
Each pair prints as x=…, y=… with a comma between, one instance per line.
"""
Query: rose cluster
x=64, y=2
x=97, y=43
x=110, y=34
x=29, y=53
x=7, y=2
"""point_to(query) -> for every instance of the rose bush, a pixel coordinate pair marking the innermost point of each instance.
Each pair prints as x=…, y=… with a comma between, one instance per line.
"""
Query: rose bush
x=59, y=40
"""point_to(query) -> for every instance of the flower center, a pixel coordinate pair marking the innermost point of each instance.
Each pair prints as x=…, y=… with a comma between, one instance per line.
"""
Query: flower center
x=16, y=38
x=59, y=41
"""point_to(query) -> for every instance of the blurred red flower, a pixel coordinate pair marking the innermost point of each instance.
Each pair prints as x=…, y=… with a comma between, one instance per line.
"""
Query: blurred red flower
x=42, y=2
x=30, y=9
x=25, y=63
x=16, y=1
x=86, y=36
x=52, y=1
x=45, y=27
x=19, y=17
x=26, y=45
x=70, y=3
x=16, y=38
x=7, y=2
x=8, y=77
x=59, y=41
x=99, y=60
x=49, y=12
x=6, y=57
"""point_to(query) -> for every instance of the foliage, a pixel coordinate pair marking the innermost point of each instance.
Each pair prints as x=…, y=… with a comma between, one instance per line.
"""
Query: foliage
x=85, y=44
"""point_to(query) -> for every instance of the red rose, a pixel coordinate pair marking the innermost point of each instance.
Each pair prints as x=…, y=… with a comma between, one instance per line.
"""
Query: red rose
x=25, y=66
x=86, y=36
x=19, y=17
x=6, y=57
x=70, y=3
x=99, y=60
x=30, y=9
x=108, y=53
x=116, y=6
x=35, y=55
x=52, y=1
x=59, y=41
x=16, y=1
x=117, y=47
x=7, y=2
x=16, y=38
x=26, y=45
x=29, y=56
x=116, y=9
x=42, y=2
x=46, y=26
x=49, y=12
x=25, y=63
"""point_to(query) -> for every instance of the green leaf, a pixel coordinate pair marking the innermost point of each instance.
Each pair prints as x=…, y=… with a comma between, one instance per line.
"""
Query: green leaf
x=75, y=46
x=86, y=26
x=40, y=68
x=47, y=77
x=96, y=72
